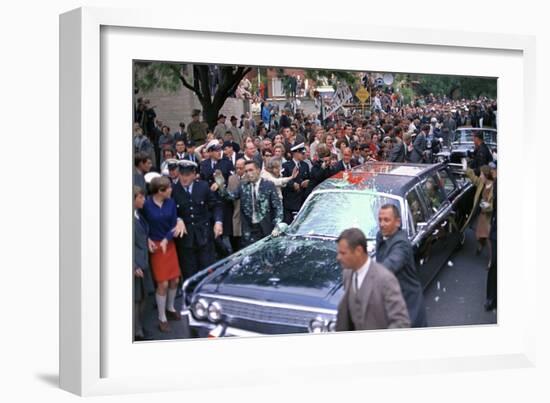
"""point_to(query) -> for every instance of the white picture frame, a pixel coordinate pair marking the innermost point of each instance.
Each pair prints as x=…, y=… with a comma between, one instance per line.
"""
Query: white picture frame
x=96, y=353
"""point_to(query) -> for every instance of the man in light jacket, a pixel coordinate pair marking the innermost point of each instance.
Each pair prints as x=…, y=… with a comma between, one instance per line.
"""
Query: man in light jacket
x=372, y=297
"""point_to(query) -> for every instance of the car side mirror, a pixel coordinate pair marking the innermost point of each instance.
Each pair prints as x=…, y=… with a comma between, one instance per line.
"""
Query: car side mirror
x=421, y=226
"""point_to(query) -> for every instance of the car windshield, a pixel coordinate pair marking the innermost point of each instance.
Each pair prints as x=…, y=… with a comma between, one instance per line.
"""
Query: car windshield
x=329, y=213
x=465, y=136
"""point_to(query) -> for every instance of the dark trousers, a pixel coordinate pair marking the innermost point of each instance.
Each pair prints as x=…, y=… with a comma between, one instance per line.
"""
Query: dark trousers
x=492, y=274
x=289, y=215
x=139, y=308
x=223, y=246
x=235, y=243
x=194, y=259
x=254, y=235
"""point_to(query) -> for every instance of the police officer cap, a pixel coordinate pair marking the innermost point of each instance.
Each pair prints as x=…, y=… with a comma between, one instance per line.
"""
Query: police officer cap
x=299, y=148
x=186, y=166
x=190, y=143
x=227, y=144
x=149, y=176
x=172, y=163
x=214, y=145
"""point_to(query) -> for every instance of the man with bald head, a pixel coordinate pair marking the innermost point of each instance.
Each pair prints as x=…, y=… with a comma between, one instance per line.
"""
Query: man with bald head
x=251, y=154
x=346, y=163
x=233, y=184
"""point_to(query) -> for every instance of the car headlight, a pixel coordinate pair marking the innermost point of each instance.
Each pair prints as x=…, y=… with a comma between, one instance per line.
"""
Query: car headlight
x=214, y=312
x=332, y=326
x=317, y=325
x=200, y=308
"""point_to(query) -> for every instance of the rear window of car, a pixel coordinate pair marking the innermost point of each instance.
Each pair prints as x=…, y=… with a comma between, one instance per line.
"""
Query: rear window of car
x=416, y=208
x=432, y=189
x=449, y=184
x=467, y=135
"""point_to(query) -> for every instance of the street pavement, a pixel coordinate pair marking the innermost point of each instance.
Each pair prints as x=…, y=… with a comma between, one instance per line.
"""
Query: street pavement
x=457, y=294
x=454, y=298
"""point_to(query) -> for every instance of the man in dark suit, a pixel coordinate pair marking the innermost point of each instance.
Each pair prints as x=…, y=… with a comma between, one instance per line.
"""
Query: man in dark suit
x=481, y=155
x=215, y=162
x=191, y=154
x=230, y=154
x=321, y=168
x=180, y=150
x=251, y=154
x=296, y=189
x=372, y=297
x=142, y=165
x=394, y=252
x=261, y=207
x=195, y=204
x=346, y=163
x=143, y=280
x=419, y=145
x=400, y=152
x=181, y=134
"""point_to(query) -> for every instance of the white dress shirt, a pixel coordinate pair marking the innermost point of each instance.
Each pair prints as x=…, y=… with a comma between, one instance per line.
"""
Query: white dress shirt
x=255, y=191
x=361, y=274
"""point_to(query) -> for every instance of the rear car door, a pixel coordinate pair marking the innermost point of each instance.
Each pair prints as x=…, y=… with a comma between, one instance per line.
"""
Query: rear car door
x=438, y=239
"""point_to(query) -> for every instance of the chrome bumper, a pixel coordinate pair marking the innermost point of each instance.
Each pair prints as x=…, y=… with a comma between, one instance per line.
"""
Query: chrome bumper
x=216, y=330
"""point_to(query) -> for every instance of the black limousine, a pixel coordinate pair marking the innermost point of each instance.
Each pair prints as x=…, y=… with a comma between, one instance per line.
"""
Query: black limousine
x=462, y=144
x=292, y=283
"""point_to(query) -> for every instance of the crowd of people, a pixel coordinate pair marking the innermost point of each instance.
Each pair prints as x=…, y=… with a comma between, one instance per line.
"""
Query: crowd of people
x=202, y=193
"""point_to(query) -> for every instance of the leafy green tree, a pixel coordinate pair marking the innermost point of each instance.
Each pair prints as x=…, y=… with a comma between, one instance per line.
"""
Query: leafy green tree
x=452, y=86
x=172, y=76
x=333, y=77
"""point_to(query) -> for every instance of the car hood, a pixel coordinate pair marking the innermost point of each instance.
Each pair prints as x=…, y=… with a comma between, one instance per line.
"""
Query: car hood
x=285, y=269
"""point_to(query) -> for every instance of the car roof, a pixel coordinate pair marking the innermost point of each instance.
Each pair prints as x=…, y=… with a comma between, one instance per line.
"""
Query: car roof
x=383, y=177
x=490, y=129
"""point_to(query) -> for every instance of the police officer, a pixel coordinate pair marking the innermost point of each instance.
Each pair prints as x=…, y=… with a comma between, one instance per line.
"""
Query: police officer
x=170, y=169
x=215, y=162
x=195, y=202
x=295, y=192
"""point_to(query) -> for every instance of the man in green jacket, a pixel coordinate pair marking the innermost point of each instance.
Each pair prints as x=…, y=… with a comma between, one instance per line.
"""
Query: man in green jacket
x=196, y=130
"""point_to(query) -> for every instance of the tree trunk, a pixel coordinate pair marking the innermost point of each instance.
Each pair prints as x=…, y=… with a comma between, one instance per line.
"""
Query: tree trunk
x=211, y=105
x=210, y=115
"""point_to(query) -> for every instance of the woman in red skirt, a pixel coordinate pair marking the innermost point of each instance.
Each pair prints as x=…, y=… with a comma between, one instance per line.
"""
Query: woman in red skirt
x=160, y=212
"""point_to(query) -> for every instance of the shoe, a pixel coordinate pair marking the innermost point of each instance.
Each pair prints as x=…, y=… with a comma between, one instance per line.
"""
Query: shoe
x=173, y=315
x=164, y=327
x=143, y=337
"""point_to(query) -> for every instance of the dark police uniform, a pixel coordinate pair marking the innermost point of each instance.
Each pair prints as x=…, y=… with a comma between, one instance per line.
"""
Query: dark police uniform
x=292, y=199
x=194, y=207
x=207, y=169
x=208, y=166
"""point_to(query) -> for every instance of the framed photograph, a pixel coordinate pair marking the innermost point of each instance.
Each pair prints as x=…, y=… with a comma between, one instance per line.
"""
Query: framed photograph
x=158, y=118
